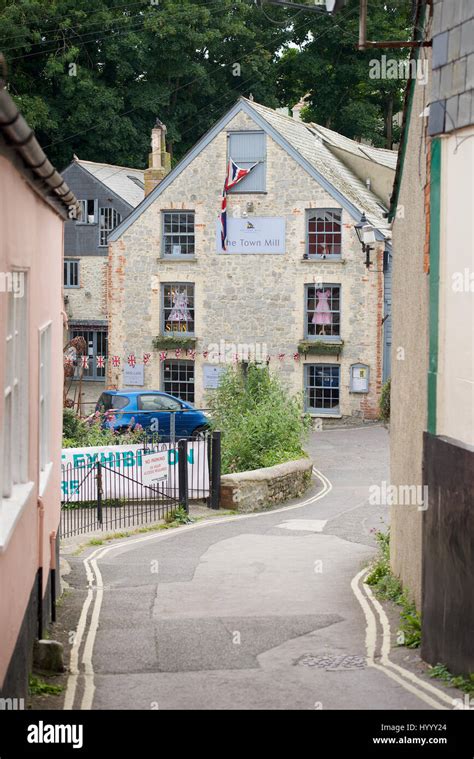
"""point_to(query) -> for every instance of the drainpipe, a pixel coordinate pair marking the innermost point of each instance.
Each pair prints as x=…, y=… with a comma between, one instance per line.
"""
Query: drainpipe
x=52, y=543
x=40, y=566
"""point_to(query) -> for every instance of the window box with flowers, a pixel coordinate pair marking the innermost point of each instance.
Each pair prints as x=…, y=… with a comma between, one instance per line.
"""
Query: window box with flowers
x=320, y=348
x=171, y=342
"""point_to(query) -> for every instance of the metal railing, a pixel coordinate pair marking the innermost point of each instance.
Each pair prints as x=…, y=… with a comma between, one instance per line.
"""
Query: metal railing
x=109, y=492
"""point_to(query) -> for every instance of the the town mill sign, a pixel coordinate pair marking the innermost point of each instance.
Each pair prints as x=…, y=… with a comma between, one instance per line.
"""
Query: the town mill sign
x=256, y=234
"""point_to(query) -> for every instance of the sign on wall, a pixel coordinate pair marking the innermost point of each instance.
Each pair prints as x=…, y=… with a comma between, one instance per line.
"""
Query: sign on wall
x=256, y=234
x=133, y=375
x=359, y=378
x=212, y=375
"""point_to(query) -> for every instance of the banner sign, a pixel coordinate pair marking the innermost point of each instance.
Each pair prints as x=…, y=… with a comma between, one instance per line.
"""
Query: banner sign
x=256, y=234
x=129, y=460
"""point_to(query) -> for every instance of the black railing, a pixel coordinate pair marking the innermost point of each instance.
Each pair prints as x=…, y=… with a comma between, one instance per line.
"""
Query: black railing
x=106, y=490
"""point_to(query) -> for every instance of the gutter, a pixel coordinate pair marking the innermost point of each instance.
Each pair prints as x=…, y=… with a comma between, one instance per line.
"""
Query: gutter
x=22, y=138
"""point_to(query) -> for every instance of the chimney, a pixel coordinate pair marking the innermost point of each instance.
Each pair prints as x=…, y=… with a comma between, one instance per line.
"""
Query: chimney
x=296, y=110
x=159, y=161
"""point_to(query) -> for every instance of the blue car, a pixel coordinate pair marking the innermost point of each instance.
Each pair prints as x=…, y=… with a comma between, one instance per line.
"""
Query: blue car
x=152, y=410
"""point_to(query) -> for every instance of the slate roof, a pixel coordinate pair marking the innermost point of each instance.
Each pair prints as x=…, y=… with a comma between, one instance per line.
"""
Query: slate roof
x=127, y=183
x=452, y=100
x=307, y=144
x=381, y=156
x=310, y=140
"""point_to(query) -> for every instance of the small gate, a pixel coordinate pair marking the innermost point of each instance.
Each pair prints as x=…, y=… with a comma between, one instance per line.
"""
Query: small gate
x=110, y=493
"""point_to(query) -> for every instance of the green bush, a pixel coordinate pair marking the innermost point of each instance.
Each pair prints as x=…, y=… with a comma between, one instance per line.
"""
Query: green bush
x=388, y=588
x=384, y=405
x=261, y=423
x=82, y=433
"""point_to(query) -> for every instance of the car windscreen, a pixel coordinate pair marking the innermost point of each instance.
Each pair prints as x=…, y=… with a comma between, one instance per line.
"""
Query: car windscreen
x=108, y=402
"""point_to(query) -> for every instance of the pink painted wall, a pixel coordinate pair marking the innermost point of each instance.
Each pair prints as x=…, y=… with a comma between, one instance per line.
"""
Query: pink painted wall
x=31, y=238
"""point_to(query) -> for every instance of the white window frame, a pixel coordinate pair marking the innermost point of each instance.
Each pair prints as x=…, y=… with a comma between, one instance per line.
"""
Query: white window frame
x=44, y=396
x=167, y=307
x=109, y=218
x=325, y=390
x=15, y=489
x=328, y=216
x=84, y=216
x=331, y=286
x=188, y=385
x=68, y=265
x=181, y=237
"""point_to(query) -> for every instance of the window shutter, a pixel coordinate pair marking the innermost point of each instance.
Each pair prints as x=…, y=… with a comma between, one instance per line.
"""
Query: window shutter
x=245, y=149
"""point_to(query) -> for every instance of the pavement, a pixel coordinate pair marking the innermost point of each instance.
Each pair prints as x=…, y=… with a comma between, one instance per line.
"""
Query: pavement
x=261, y=611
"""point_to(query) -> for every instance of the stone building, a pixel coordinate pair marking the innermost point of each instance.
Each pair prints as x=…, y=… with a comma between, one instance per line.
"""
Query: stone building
x=107, y=194
x=432, y=400
x=182, y=308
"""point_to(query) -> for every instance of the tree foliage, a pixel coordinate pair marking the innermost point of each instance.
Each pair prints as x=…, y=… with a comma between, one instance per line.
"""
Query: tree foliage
x=91, y=78
x=327, y=67
x=185, y=61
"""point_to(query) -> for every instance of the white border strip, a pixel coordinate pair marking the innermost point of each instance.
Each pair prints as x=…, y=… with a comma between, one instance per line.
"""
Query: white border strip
x=409, y=680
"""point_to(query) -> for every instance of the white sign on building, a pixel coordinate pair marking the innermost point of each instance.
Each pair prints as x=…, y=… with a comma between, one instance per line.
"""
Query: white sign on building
x=255, y=234
x=133, y=375
x=212, y=375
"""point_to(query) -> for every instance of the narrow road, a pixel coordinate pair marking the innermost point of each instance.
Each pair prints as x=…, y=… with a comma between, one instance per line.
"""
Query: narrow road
x=250, y=613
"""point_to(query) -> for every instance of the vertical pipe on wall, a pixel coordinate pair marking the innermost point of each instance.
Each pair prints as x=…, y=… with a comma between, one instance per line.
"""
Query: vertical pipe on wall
x=435, y=236
x=52, y=544
x=216, y=469
x=363, y=24
x=40, y=565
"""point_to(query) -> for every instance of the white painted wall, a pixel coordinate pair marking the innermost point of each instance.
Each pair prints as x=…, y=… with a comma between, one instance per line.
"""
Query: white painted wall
x=455, y=402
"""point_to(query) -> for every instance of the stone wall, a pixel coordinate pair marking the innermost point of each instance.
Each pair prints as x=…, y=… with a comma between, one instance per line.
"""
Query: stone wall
x=88, y=301
x=410, y=285
x=249, y=298
x=263, y=488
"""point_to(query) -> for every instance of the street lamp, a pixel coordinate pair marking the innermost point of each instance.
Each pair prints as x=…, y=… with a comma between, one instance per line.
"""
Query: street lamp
x=366, y=234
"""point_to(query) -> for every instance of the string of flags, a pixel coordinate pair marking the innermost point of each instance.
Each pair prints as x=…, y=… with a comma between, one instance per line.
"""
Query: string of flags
x=87, y=362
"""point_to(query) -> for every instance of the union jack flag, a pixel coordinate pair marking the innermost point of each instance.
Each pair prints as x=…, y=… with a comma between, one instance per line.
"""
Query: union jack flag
x=85, y=362
x=234, y=175
x=115, y=361
x=131, y=360
x=100, y=362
